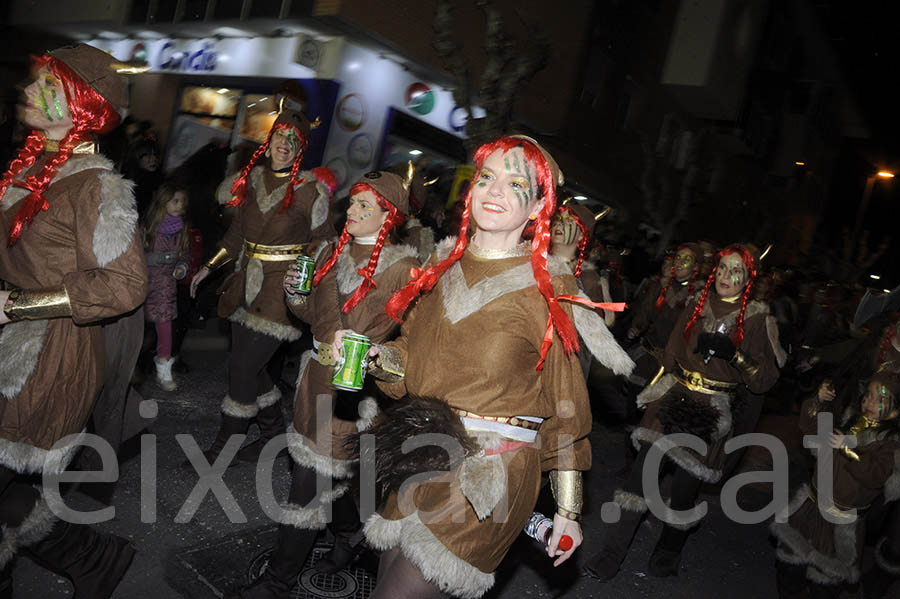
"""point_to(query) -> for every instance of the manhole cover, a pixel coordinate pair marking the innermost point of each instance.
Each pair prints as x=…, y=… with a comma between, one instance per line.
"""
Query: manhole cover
x=352, y=583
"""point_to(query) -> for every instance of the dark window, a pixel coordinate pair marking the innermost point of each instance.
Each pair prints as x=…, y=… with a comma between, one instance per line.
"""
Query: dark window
x=138, y=12
x=165, y=11
x=265, y=9
x=194, y=10
x=228, y=9
x=301, y=8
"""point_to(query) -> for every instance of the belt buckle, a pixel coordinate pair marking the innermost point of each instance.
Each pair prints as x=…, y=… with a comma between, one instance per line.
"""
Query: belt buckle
x=695, y=380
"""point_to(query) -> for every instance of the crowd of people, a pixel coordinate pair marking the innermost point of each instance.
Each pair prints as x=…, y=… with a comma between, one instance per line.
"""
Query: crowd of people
x=500, y=327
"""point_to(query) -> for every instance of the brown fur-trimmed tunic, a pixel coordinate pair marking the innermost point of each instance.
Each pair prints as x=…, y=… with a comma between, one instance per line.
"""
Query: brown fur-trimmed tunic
x=252, y=295
x=756, y=346
x=832, y=551
x=474, y=342
x=319, y=449
x=51, y=370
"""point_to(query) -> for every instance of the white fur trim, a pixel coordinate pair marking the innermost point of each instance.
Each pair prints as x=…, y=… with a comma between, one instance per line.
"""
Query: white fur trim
x=654, y=392
x=684, y=459
x=35, y=527
x=253, y=280
x=305, y=358
x=437, y=564
x=599, y=340
x=709, y=323
x=238, y=410
x=311, y=517
x=20, y=349
x=795, y=549
x=630, y=502
x=266, y=327
x=268, y=398
x=425, y=246
x=772, y=332
x=319, y=213
x=367, y=410
x=28, y=459
x=117, y=223
x=722, y=404
x=482, y=480
x=303, y=454
x=73, y=166
x=348, y=279
x=265, y=200
x=883, y=562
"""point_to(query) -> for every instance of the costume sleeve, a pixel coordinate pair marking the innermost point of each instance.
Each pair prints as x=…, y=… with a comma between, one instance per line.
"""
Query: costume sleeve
x=646, y=306
x=320, y=224
x=563, y=437
x=875, y=465
x=398, y=347
x=676, y=338
x=809, y=411
x=112, y=269
x=758, y=348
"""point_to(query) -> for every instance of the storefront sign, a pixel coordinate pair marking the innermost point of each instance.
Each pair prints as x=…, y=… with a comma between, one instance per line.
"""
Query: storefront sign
x=351, y=112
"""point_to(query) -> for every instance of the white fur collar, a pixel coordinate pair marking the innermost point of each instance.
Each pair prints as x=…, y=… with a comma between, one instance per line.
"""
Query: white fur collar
x=348, y=280
x=710, y=323
x=461, y=301
x=74, y=165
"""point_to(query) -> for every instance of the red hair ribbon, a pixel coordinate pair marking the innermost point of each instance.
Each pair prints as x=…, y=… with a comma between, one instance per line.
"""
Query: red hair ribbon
x=575, y=299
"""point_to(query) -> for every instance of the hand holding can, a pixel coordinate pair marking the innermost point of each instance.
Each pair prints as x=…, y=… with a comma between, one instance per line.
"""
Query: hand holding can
x=350, y=372
x=306, y=269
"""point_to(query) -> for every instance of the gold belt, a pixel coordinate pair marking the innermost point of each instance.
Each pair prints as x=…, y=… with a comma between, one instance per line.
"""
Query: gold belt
x=510, y=420
x=273, y=253
x=697, y=382
x=837, y=509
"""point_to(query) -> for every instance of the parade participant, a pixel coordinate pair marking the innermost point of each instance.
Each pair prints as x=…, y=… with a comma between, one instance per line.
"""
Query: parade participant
x=166, y=243
x=351, y=287
x=71, y=257
x=280, y=212
x=719, y=346
x=820, y=545
x=488, y=345
x=658, y=310
x=415, y=232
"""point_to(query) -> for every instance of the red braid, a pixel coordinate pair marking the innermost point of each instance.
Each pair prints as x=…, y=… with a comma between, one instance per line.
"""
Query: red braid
x=90, y=113
x=342, y=241
x=885, y=345
x=582, y=243
x=540, y=245
x=661, y=299
x=239, y=187
x=749, y=264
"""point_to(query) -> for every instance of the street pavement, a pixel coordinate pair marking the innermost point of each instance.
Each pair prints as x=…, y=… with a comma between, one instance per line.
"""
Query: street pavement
x=194, y=550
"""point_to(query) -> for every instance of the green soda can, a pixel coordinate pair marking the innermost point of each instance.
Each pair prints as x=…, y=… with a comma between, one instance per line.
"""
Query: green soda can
x=351, y=367
x=307, y=268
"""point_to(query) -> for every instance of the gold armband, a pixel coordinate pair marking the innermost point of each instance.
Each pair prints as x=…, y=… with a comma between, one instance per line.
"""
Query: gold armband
x=221, y=257
x=744, y=364
x=387, y=365
x=568, y=490
x=26, y=304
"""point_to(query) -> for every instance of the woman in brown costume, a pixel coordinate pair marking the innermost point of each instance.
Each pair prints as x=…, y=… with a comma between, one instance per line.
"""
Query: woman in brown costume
x=719, y=345
x=820, y=544
x=281, y=212
x=72, y=258
x=489, y=339
x=352, y=284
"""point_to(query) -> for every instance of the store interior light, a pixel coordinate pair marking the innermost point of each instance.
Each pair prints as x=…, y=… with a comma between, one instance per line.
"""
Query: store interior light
x=875, y=277
x=415, y=152
x=886, y=290
x=799, y=163
x=580, y=198
x=223, y=90
x=354, y=65
x=885, y=174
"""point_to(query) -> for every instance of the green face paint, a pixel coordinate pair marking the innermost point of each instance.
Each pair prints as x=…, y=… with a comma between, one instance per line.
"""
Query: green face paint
x=59, y=112
x=42, y=102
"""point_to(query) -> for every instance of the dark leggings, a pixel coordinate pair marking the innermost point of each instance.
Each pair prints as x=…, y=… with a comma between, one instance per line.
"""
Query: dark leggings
x=398, y=578
x=247, y=373
x=685, y=487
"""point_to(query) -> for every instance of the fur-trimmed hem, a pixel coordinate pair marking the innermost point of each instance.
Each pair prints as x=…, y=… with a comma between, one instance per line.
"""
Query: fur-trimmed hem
x=796, y=549
x=253, y=280
x=437, y=563
x=20, y=349
x=368, y=411
x=482, y=481
x=238, y=410
x=630, y=502
x=891, y=567
x=269, y=398
x=722, y=404
x=312, y=517
x=348, y=279
x=601, y=343
x=892, y=485
x=683, y=458
x=36, y=526
x=28, y=459
x=281, y=332
x=654, y=392
x=304, y=455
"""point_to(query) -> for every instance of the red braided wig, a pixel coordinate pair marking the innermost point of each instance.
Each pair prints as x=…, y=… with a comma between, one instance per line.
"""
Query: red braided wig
x=662, y=292
x=239, y=187
x=394, y=218
x=540, y=244
x=749, y=264
x=885, y=346
x=90, y=113
x=582, y=243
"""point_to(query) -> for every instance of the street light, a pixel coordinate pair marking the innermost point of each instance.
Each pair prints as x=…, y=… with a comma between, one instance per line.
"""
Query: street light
x=864, y=203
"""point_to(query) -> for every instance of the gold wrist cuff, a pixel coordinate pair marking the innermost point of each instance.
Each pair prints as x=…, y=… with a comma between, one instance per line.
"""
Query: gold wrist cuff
x=568, y=490
x=221, y=257
x=388, y=365
x=27, y=304
x=744, y=363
